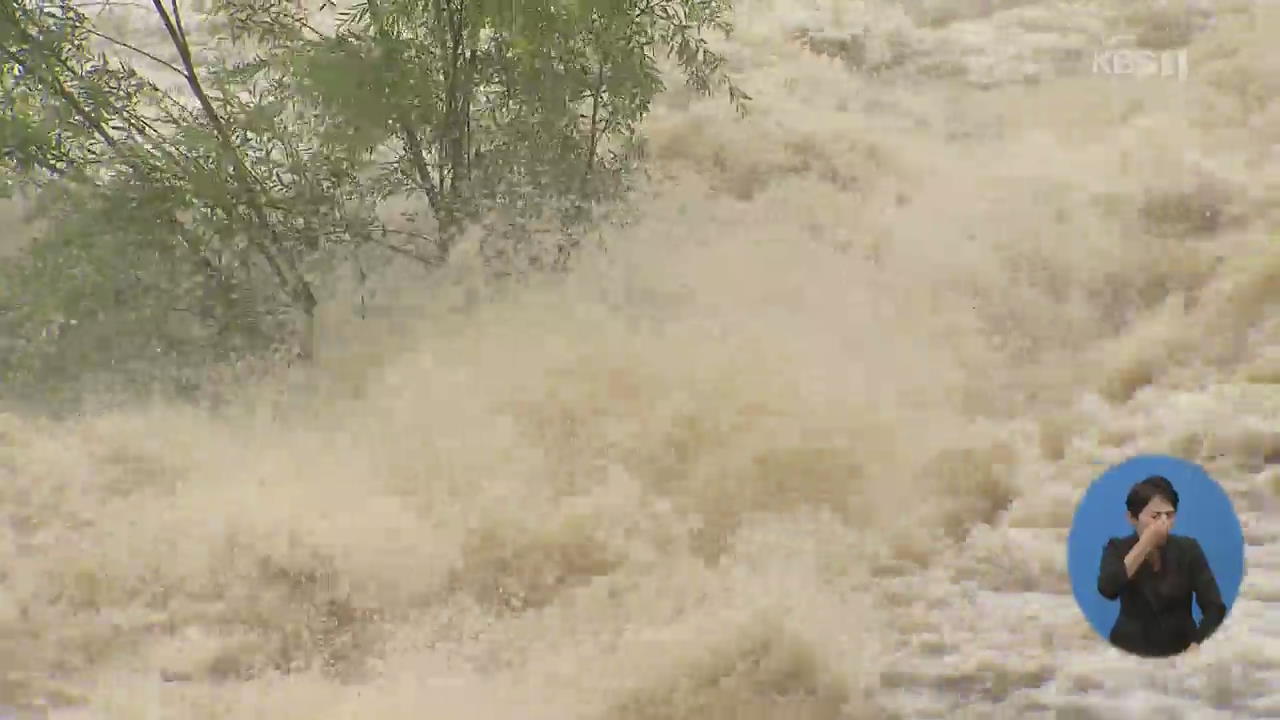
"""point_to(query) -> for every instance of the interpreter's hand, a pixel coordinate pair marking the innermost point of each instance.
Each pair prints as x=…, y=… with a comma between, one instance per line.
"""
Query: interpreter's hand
x=1156, y=533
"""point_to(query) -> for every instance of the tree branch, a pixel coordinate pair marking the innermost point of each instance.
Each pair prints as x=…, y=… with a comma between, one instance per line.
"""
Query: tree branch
x=406, y=252
x=427, y=261
x=54, y=84
x=417, y=156
x=594, y=138
x=137, y=124
x=138, y=50
x=297, y=287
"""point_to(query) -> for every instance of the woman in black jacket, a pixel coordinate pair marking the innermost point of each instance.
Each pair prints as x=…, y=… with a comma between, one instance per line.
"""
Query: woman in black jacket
x=1154, y=574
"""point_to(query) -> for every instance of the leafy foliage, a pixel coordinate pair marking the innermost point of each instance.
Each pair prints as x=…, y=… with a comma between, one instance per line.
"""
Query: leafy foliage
x=197, y=226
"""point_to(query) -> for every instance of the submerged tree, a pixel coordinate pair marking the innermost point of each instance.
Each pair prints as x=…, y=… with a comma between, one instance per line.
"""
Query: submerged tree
x=197, y=224
x=479, y=105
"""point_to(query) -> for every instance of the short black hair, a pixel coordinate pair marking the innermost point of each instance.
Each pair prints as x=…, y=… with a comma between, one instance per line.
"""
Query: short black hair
x=1147, y=490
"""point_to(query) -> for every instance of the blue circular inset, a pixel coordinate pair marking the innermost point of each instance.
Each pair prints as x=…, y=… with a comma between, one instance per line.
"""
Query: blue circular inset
x=1204, y=513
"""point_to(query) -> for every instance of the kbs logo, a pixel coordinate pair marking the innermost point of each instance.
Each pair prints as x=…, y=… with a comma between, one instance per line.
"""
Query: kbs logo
x=1117, y=59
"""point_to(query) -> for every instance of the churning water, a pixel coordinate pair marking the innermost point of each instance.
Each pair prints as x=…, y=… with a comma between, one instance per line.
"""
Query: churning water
x=802, y=440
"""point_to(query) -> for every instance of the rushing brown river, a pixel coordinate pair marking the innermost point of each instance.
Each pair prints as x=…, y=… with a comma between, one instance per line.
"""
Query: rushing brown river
x=801, y=441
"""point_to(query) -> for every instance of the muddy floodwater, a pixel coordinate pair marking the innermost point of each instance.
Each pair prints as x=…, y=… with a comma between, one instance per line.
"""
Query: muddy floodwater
x=801, y=440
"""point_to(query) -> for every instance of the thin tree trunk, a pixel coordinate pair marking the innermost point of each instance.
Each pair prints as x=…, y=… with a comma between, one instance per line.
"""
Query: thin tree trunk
x=291, y=280
x=594, y=138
